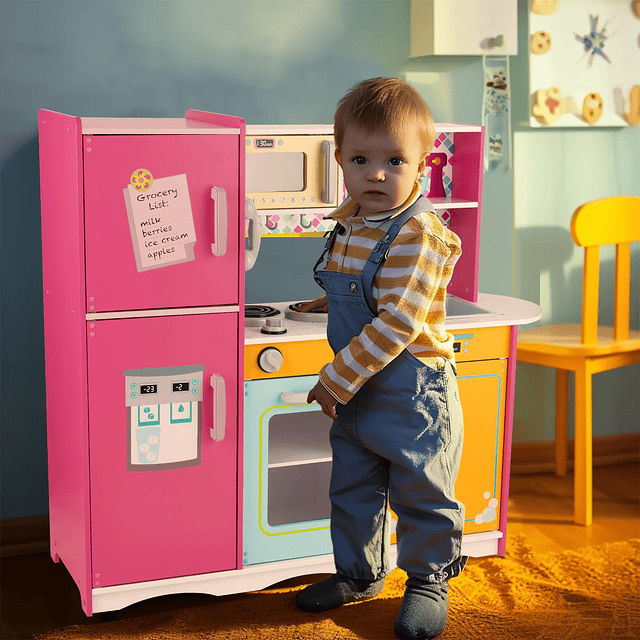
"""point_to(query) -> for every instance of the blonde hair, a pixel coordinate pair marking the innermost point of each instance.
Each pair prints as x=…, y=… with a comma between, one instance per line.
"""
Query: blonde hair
x=387, y=104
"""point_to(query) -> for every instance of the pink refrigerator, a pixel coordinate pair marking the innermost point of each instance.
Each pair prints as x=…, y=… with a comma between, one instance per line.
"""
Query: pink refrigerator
x=143, y=264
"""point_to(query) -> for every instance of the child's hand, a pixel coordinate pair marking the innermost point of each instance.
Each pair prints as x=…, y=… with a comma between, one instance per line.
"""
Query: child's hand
x=315, y=304
x=324, y=399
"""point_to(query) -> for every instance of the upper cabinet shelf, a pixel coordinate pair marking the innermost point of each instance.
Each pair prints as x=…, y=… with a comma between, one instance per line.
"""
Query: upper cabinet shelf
x=464, y=27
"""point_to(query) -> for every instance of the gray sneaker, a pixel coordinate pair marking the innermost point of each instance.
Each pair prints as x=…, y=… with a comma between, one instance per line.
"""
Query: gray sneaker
x=336, y=591
x=424, y=610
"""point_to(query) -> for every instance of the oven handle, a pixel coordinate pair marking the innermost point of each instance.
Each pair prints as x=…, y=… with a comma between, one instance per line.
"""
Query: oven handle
x=328, y=194
x=219, y=197
x=254, y=232
x=293, y=397
x=219, y=415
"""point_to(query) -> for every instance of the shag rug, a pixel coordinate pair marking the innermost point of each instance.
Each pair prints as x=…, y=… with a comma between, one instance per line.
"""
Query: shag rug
x=591, y=593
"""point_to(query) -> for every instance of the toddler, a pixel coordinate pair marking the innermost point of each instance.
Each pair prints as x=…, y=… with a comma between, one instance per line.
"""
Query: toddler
x=391, y=389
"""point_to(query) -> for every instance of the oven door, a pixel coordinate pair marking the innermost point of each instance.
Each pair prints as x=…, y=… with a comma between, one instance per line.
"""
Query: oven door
x=287, y=471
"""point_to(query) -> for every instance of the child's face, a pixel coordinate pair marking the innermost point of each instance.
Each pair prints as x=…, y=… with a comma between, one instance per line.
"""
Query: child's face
x=379, y=168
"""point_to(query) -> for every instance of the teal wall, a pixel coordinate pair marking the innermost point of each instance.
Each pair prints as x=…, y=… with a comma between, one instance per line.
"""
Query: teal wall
x=273, y=61
x=555, y=171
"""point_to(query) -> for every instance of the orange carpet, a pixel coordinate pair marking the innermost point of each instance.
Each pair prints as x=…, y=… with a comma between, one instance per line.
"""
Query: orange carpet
x=591, y=593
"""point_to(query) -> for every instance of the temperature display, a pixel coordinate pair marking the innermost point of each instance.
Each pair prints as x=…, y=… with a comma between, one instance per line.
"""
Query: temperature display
x=181, y=386
x=264, y=143
x=148, y=388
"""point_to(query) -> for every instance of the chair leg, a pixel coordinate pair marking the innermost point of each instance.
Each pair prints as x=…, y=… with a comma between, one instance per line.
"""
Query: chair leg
x=562, y=420
x=583, y=469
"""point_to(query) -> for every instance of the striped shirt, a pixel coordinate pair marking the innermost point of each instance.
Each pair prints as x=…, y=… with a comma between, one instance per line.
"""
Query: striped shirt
x=409, y=291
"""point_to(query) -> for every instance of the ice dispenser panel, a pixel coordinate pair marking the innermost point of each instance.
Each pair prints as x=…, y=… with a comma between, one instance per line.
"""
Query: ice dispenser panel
x=164, y=408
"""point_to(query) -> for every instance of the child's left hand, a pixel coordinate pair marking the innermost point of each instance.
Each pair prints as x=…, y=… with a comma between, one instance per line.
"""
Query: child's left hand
x=324, y=399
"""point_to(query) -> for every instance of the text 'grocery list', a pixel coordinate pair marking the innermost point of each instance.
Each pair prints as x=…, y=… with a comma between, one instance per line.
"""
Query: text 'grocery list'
x=160, y=220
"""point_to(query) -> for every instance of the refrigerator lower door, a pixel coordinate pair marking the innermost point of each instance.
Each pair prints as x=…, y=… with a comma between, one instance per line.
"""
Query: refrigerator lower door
x=163, y=492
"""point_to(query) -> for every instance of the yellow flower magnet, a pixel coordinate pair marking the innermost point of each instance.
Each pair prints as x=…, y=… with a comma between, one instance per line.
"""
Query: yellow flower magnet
x=141, y=179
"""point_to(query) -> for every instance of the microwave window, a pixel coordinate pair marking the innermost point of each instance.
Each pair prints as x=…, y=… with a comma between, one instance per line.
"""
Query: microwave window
x=275, y=172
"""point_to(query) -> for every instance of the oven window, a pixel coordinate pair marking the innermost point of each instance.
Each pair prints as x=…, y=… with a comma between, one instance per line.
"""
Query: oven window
x=275, y=172
x=299, y=468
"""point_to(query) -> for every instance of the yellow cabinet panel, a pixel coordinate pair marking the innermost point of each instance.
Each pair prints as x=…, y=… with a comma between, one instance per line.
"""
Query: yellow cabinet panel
x=482, y=388
x=317, y=353
x=482, y=393
x=482, y=343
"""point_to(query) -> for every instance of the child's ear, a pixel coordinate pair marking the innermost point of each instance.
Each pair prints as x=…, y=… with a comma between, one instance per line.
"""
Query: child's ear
x=338, y=156
x=423, y=163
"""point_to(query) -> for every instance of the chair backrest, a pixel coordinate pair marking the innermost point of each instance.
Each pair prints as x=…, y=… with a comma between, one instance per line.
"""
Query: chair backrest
x=602, y=222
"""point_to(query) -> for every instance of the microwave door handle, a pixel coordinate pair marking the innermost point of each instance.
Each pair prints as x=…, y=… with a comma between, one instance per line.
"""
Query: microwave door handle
x=292, y=397
x=328, y=194
x=255, y=237
x=219, y=416
x=219, y=245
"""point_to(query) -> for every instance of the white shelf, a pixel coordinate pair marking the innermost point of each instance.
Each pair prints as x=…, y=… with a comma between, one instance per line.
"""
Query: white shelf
x=452, y=203
x=300, y=459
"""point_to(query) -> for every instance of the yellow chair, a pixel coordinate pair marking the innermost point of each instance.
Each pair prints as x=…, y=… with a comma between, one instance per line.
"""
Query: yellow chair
x=587, y=348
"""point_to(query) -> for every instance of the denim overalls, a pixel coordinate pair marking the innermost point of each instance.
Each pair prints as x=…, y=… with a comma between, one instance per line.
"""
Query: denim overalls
x=400, y=436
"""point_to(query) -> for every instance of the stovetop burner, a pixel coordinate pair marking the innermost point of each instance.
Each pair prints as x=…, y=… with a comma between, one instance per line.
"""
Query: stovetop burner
x=299, y=326
x=317, y=315
x=255, y=314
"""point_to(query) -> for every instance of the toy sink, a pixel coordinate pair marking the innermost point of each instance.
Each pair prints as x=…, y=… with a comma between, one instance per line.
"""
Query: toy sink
x=457, y=308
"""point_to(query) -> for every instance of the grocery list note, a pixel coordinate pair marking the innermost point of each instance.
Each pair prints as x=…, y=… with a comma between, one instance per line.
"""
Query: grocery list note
x=161, y=222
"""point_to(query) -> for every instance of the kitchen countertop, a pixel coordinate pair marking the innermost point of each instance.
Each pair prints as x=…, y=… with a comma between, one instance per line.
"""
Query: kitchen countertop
x=489, y=311
x=493, y=311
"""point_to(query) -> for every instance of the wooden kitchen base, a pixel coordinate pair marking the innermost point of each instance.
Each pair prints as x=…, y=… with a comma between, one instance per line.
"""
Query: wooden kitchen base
x=253, y=578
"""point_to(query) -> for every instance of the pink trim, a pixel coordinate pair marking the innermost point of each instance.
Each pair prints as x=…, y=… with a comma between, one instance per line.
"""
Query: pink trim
x=241, y=282
x=65, y=345
x=508, y=434
x=467, y=184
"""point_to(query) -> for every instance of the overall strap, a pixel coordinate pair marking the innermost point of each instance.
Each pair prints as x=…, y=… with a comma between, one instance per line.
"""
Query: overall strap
x=379, y=253
x=325, y=252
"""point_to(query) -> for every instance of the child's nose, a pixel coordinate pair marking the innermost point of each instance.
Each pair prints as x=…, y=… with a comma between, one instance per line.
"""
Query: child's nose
x=376, y=174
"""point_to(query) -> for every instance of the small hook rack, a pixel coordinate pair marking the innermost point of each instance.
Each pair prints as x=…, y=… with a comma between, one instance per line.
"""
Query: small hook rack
x=302, y=222
x=271, y=227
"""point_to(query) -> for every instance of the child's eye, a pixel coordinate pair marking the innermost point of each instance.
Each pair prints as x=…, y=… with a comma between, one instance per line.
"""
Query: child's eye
x=359, y=160
x=396, y=162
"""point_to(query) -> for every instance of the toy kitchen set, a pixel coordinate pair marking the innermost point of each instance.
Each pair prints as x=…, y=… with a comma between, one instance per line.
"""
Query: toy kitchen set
x=183, y=457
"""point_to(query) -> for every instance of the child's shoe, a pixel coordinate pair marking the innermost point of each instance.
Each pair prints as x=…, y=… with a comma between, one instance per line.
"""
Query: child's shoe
x=424, y=610
x=336, y=591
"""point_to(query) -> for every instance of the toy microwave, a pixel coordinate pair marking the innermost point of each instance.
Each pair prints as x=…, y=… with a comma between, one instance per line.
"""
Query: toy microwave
x=292, y=169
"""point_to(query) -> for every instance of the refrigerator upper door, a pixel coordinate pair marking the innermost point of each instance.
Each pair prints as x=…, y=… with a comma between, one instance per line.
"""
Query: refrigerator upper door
x=162, y=221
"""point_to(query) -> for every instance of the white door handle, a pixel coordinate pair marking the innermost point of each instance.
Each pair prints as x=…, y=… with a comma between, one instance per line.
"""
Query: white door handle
x=255, y=237
x=219, y=244
x=219, y=415
x=328, y=194
x=293, y=397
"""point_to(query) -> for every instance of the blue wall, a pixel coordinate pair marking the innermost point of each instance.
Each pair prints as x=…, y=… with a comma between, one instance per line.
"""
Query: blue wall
x=268, y=61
